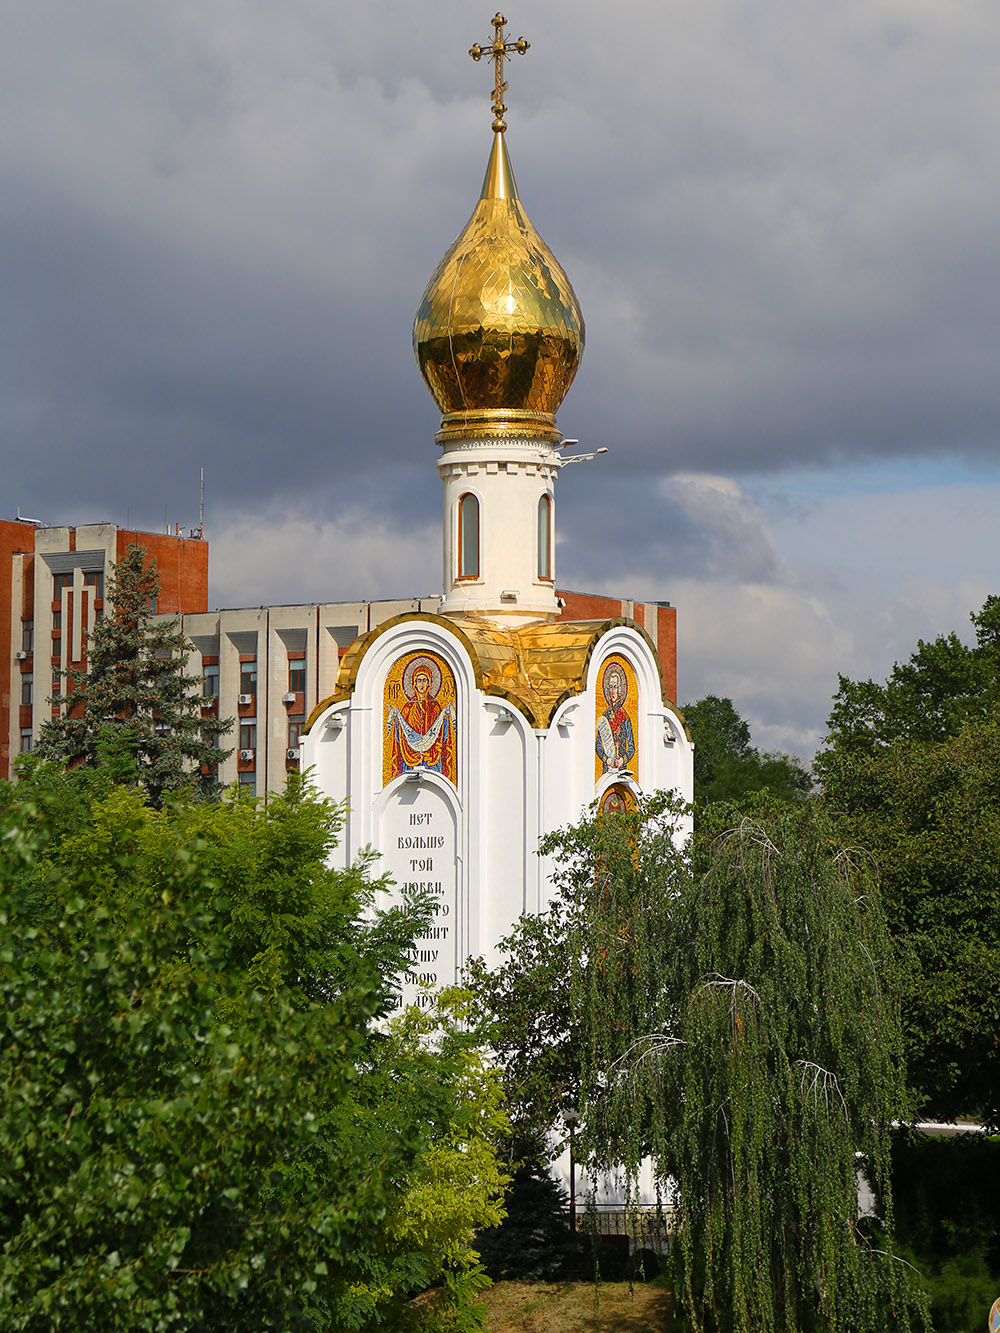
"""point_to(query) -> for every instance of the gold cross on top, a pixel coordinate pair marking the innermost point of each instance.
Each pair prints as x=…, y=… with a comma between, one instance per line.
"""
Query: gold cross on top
x=498, y=51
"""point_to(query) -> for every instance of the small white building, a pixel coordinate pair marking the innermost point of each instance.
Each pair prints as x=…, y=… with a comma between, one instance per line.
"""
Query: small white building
x=459, y=738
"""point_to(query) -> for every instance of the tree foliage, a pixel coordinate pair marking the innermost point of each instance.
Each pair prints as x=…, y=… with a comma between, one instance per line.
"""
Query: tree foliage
x=911, y=771
x=947, y=1194
x=727, y=766
x=526, y=1013
x=135, y=684
x=533, y=1243
x=742, y=1033
x=207, y=1119
x=945, y=685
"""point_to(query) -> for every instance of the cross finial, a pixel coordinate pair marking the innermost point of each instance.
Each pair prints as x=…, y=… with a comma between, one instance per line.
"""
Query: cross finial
x=498, y=51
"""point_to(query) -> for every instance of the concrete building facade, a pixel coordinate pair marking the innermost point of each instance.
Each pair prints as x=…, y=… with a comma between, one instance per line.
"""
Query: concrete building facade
x=268, y=667
x=53, y=582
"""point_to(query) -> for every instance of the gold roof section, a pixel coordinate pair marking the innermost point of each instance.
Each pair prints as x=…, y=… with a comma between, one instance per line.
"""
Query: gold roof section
x=499, y=329
x=536, y=667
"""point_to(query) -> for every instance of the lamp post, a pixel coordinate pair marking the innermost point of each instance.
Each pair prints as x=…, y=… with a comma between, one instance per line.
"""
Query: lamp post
x=571, y=1117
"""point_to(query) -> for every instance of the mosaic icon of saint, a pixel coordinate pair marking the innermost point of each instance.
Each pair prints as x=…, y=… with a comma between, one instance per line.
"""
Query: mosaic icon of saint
x=615, y=740
x=617, y=800
x=421, y=732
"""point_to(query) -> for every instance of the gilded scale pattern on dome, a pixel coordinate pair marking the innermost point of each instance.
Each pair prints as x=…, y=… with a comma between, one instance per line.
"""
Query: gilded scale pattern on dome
x=499, y=327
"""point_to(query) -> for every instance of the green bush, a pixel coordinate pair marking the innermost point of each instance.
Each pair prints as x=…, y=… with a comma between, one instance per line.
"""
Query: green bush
x=947, y=1195
x=206, y=1120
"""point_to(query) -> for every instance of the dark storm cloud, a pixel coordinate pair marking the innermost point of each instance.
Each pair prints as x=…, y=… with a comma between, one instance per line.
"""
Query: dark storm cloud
x=216, y=225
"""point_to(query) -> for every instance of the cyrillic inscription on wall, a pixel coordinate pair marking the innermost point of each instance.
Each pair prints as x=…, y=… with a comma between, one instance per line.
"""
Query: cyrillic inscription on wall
x=418, y=845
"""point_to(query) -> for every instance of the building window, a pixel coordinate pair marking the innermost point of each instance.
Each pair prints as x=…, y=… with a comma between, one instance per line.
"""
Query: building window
x=468, y=537
x=294, y=732
x=248, y=678
x=297, y=677
x=95, y=580
x=27, y=689
x=60, y=582
x=545, y=537
x=57, y=620
x=27, y=636
x=25, y=740
x=153, y=602
x=248, y=735
x=210, y=683
x=248, y=783
x=56, y=683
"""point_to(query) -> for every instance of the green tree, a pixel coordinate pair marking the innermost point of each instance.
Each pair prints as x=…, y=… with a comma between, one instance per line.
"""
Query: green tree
x=911, y=770
x=945, y=685
x=533, y=1243
x=726, y=764
x=928, y=811
x=743, y=1034
x=135, y=684
x=526, y=1013
x=207, y=1118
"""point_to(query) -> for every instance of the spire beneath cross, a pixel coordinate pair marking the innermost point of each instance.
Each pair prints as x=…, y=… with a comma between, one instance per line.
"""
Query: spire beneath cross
x=498, y=51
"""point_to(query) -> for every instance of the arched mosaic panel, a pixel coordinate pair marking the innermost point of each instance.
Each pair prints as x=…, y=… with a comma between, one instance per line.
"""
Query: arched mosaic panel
x=616, y=737
x=617, y=800
x=421, y=718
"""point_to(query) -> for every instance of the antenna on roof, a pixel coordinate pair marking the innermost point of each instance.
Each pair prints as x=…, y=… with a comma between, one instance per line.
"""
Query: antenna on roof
x=201, y=511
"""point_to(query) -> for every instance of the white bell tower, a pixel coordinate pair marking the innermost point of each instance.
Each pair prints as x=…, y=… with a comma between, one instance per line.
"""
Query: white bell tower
x=499, y=527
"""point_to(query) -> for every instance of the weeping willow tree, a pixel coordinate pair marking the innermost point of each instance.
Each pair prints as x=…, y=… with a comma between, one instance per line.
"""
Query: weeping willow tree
x=742, y=1034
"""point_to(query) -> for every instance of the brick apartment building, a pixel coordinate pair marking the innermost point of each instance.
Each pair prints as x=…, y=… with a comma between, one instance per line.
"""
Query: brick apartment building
x=52, y=586
x=267, y=667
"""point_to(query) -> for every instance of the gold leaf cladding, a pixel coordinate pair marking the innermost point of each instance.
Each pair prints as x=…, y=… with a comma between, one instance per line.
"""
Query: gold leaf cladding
x=499, y=326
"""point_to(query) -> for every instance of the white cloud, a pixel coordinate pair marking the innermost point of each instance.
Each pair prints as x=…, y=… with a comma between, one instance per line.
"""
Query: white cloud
x=782, y=221
x=856, y=580
x=268, y=559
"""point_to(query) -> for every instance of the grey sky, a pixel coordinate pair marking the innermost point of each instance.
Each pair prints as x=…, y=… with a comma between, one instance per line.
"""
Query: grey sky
x=782, y=221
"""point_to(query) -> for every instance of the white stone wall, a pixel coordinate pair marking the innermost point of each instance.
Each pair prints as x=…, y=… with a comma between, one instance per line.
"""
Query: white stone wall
x=508, y=478
x=515, y=783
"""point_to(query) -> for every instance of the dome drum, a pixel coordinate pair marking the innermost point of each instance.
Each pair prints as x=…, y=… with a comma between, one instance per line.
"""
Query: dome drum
x=499, y=424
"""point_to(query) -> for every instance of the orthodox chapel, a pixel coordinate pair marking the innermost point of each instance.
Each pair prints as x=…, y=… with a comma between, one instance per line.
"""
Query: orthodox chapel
x=459, y=739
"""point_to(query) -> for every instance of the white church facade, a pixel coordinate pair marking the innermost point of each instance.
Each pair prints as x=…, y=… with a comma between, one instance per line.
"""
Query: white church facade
x=460, y=738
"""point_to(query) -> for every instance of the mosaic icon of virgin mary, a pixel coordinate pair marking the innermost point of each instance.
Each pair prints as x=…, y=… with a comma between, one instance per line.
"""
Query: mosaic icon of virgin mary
x=615, y=739
x=421, y=732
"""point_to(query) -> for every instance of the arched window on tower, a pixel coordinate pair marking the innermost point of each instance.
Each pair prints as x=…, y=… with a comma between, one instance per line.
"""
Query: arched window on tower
x=468, y=537
x=545, y=538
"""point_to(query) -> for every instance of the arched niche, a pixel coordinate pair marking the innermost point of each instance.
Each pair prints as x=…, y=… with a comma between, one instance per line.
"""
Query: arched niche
x=417, y=827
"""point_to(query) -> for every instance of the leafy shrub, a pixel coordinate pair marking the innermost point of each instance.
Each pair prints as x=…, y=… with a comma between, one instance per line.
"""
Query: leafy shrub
x=947, y=1193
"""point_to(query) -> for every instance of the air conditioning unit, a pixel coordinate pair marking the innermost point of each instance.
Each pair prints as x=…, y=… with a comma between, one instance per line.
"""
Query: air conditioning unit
x=247, y=754
x=161, y=728
x=293, y=753
x=289, y=698
x=21, y=655
x=244, y=698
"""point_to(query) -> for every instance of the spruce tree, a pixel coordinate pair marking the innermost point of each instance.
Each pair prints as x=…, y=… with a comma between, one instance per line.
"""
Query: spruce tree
x=134, y=694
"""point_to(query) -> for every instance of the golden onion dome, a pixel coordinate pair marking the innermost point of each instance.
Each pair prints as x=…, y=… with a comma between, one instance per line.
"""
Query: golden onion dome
x=499, y=334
